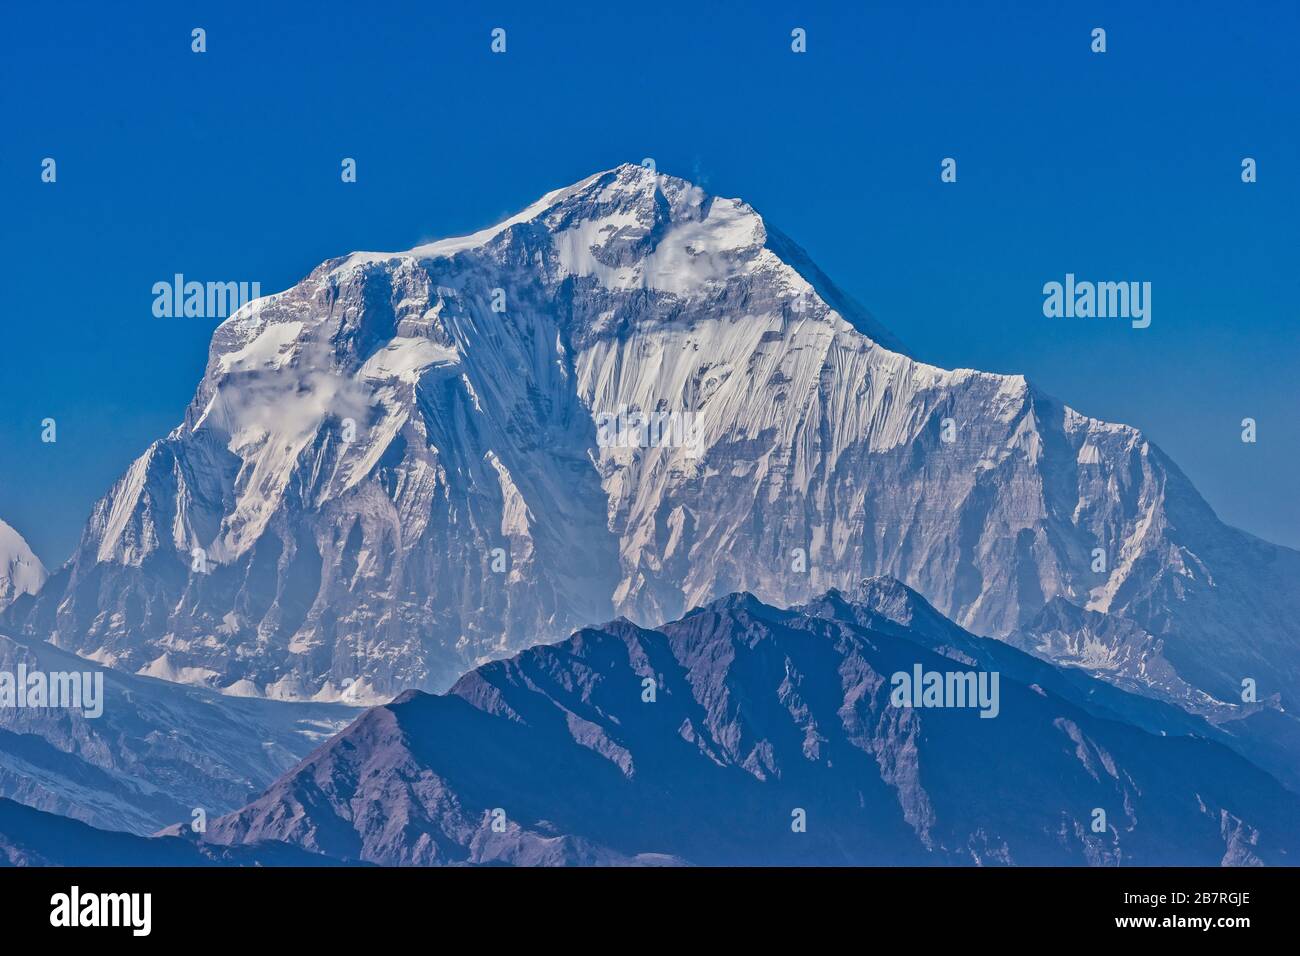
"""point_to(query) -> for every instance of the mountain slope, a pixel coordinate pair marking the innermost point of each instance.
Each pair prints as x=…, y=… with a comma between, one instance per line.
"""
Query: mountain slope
x=157, y=750
x=21, y=572
x=400, y=468
x=31, y=837
x=758, y=714
x=1096, y=667
x=887, y=606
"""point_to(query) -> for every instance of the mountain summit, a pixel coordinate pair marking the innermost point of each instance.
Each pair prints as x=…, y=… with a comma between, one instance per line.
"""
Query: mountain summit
x=410, y=463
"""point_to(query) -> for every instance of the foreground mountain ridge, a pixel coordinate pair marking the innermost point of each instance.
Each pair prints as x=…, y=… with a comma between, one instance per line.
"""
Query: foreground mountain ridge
x=30, y=837
x=386, y=481
x=744, y=734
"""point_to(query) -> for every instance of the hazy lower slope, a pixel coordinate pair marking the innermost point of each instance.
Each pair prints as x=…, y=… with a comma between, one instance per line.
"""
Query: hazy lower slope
x=158, y=750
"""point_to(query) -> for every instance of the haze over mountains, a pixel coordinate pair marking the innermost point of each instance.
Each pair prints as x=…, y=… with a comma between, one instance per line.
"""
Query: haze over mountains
x=155, y=753
x=704, y=740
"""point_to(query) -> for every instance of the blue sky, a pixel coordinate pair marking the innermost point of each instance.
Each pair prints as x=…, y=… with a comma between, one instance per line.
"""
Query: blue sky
x=225, y=166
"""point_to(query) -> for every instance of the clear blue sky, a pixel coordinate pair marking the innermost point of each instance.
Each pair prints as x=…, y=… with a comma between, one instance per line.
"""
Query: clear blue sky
x=225, y=166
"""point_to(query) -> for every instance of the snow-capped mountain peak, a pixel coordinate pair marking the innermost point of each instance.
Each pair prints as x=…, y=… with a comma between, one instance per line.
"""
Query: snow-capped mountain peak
x=402, y=467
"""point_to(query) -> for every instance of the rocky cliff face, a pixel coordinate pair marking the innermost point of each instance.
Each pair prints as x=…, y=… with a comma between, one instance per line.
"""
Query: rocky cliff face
x=411, y=463
x=743, y=734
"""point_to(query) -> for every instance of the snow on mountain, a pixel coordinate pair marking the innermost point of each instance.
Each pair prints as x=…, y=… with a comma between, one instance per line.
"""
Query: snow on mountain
x=770, y=737
x=21, y=572
x=154, y=753
x=395, y=470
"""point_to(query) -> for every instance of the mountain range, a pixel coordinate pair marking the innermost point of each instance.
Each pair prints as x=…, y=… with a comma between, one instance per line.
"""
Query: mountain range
x=771, y=737
x=414, y=481
x=393, y=472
